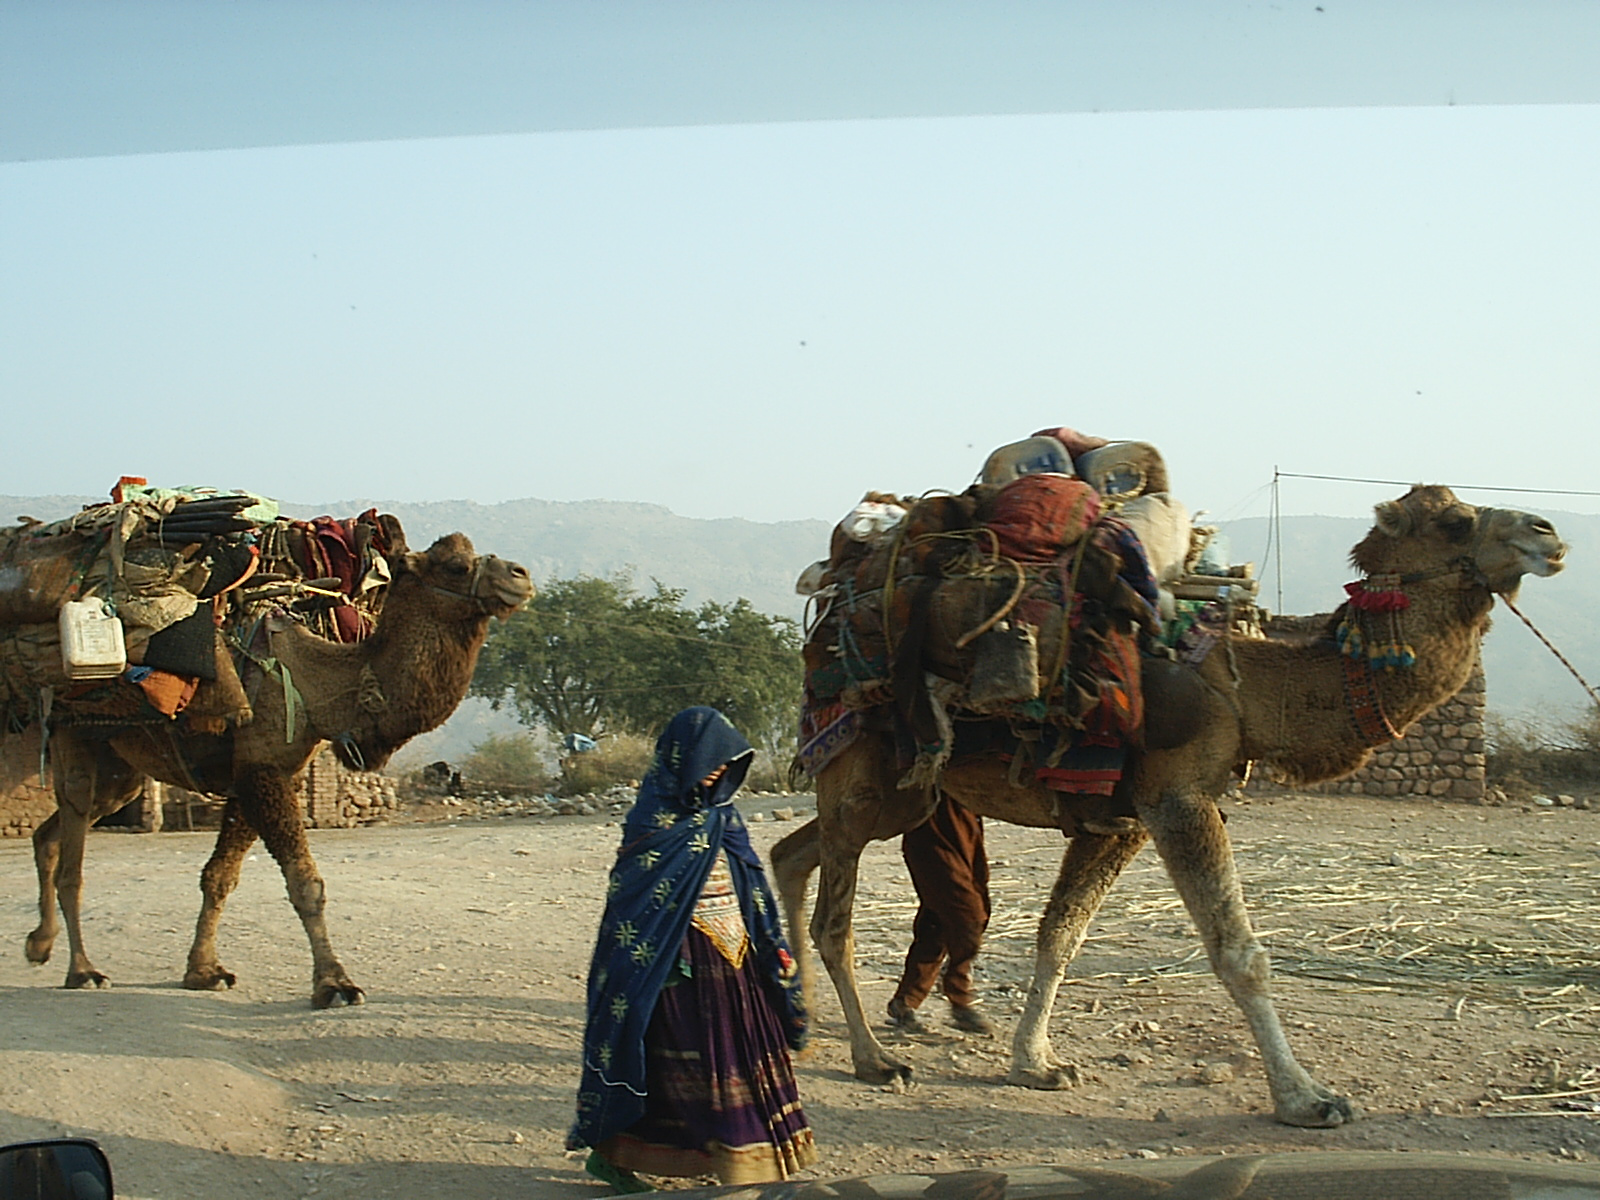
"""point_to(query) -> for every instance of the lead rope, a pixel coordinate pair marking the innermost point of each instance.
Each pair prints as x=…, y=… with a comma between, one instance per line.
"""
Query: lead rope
x=1548, y=645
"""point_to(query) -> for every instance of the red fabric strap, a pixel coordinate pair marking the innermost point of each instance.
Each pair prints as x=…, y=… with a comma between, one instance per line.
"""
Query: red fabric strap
x=1366, y=708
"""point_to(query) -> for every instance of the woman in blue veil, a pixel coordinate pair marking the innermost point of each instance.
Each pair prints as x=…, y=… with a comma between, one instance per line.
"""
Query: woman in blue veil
x=694, y=1001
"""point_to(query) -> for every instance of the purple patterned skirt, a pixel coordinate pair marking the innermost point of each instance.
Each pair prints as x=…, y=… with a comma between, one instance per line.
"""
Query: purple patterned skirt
x=723, y=1099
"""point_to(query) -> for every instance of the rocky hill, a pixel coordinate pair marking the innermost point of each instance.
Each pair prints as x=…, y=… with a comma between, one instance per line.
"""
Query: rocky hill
x=710, y=559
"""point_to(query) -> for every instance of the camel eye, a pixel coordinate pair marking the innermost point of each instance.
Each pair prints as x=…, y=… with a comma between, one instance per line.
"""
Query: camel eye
x=1456, y=526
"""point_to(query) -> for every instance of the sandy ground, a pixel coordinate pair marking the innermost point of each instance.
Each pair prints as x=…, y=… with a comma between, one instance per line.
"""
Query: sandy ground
x=1434, y=962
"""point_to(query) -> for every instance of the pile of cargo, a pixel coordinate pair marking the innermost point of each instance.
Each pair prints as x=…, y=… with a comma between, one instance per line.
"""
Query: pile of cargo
x=142, y=608
x=1028, y=598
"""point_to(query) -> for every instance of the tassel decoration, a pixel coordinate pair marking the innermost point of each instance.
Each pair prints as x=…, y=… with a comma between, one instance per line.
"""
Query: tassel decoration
x=1378, y=593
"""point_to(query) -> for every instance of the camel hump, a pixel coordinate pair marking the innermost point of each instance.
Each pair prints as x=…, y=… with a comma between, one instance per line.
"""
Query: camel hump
x=1175, y=708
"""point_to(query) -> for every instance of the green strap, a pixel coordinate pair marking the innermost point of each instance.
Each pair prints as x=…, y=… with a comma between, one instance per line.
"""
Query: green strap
x=291, y=698
x=291, y=694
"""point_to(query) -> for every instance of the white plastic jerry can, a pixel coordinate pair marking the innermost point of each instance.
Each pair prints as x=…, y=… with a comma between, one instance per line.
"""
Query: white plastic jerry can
x=91, y=640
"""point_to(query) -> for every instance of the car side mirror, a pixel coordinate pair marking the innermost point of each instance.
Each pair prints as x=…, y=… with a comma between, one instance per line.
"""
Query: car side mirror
x=58, y=1169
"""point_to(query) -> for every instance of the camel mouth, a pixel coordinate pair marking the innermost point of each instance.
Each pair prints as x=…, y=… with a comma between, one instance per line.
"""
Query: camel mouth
x=1544, y=560
x=1547, y=565
x=513, y=593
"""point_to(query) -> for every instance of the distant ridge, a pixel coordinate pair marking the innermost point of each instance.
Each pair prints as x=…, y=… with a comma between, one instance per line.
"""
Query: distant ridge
x=711, y=559
x=724, y=559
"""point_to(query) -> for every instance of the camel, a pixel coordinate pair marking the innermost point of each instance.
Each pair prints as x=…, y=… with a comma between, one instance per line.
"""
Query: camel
x=367, y=697
x=1284, y=706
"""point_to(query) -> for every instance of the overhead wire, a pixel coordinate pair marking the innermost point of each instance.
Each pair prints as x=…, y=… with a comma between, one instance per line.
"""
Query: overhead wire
x=1465, y=487
x=1274, y=547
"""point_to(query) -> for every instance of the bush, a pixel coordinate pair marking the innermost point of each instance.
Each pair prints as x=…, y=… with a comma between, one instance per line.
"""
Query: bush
x=619, y=758
x=1524, y=756
x=506, y=763
x=767, y=774
x=623, y=758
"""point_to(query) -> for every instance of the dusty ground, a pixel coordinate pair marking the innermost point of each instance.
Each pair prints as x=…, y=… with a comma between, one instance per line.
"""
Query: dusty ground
x=1434, y=962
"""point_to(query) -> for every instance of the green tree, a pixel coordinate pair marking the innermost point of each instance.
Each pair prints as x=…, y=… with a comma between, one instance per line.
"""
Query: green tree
x=747, y=663
x=592, y=655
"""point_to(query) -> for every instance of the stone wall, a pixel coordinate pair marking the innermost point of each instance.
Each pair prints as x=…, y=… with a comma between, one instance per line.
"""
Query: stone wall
x=1442, y=756
x=24, y=801
x=338, y=798
x=331, y=795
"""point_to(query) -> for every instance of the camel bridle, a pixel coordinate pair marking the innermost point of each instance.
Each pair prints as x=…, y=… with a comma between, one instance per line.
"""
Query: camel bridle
x=474, y=589
x=1380, y=593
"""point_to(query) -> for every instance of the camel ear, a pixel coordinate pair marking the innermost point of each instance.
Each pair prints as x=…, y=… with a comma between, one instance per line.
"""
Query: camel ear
x=1393, y=519
x=394, y=538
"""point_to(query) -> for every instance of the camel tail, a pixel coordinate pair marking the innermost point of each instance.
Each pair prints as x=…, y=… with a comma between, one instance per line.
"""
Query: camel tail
x=795, y=858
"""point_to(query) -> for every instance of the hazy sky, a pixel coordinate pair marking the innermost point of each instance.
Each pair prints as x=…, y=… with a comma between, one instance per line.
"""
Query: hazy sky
x=766, y=319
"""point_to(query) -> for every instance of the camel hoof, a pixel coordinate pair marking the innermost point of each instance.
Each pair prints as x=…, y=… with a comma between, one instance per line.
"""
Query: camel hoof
x=86, y=979
x=38, y=949
x=1323, y=1113
x=331, y=995
x=213, y=979
x=887, y=1073
x=1055, y=1079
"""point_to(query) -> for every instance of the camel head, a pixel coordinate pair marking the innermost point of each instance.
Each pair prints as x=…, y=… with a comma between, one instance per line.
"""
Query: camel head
x=481, y=584
x=1429, y=531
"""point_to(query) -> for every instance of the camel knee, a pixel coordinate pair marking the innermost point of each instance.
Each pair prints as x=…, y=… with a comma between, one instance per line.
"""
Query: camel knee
x=823, y=934
x=218, y=878
x=68, y=876
x=47, y=834
x=1247, y=967
x=308, y=895
x=832, y=938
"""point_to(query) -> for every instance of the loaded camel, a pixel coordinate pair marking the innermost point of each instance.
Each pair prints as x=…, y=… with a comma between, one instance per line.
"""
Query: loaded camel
x=1305, y=712
x=369, y=697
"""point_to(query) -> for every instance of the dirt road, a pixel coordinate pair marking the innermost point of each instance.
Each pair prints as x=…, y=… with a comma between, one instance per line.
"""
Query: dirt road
x=1434, y=962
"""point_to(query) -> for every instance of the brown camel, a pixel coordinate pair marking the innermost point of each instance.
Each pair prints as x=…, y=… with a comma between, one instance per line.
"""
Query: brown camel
x=369, y=697
x=1283, y=706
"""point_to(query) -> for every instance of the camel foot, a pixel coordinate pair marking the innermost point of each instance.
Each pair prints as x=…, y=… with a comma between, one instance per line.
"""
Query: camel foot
x=886, y=1072
x=38, y=947
x=1055, y=1078
x=209, y=979
x=86, y=979
x=1326, y=1111
x=331, y=995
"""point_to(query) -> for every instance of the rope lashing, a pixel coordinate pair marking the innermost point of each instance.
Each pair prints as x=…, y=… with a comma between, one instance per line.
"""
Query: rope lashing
x=1003, y=611
x=1548, y=645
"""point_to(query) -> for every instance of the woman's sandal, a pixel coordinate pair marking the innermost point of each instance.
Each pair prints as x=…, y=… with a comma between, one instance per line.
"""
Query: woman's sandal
x=622, y=1180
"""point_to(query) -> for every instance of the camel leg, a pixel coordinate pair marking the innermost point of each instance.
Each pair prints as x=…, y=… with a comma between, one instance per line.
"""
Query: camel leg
x=1189, y=834
x=218, y=878
x=46, y=854
x=90, y=781
x=69, y=890
x=275, y=811
x=833, y=930
x=794, y=859
x=843, y=832
x=1088, y=869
